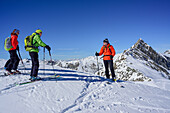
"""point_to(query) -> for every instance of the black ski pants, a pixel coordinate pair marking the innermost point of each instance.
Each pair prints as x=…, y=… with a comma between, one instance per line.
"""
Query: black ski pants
x=109, y=64
x=13, y=62
x=35, y=63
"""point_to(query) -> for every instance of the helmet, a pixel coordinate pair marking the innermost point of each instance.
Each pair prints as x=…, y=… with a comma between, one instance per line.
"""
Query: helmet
x=38, y=31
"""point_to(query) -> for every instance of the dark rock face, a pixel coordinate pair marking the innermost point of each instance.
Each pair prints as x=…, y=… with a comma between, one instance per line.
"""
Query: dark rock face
x=51, y=63
x=167, y=52
x=143, y=51
x=126, y=73
x=73, y=66
x=69, y=65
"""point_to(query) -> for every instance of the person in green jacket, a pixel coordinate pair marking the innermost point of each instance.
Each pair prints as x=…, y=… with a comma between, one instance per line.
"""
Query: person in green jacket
x=34, y=54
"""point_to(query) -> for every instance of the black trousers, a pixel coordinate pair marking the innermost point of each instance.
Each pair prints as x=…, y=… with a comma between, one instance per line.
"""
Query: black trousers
x=109, y=64
x=6, y=65
x=13, y=62
x=35, y=63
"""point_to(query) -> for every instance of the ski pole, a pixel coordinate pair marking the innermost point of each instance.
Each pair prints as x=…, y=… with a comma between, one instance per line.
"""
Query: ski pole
x=44, y=61
x=52, y=62
x=21, y=59
x=97, y=64
x=53, y=66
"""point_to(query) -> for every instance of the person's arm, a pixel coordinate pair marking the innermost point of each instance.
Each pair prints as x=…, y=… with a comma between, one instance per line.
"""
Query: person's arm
x=101, y=51
x=39, y=41
x=14, y=41
x=113, y=51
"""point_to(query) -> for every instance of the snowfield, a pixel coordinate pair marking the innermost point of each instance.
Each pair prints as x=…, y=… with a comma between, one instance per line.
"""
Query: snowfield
x=80, y=92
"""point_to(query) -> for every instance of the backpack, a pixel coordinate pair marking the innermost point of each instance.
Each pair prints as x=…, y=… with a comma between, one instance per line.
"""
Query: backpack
x=109, y=48
x=7, y=44
x=29, y=43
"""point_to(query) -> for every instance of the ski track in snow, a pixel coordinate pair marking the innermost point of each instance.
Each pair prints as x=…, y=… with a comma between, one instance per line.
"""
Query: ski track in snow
x=78, y=92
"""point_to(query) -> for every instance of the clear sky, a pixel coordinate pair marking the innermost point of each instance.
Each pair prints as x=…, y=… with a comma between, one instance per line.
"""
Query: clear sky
x=76, y=28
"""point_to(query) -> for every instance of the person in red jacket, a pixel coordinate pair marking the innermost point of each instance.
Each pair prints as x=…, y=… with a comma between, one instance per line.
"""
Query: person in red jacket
x=12, y=64
x=109, y=52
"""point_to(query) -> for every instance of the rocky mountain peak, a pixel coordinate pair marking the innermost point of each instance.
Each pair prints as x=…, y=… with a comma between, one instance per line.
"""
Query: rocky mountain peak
x=141, y=45
x=141, y=50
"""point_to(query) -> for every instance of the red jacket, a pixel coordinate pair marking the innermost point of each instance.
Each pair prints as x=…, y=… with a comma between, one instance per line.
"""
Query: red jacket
x=106, y=51
x=14, y=42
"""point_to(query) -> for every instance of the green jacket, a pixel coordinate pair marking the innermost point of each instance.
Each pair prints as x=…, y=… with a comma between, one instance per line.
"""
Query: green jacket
x=37, y=42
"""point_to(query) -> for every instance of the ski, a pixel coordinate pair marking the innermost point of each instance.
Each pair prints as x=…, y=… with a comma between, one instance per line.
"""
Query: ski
x=43, y=78
x=5, y=75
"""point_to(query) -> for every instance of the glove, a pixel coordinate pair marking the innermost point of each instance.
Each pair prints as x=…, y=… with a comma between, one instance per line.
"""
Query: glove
x=97, y=54
x=17, y=48
x=48, y=48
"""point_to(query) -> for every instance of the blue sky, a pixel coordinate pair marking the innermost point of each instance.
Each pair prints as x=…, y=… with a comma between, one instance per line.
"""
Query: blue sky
x=76, y=28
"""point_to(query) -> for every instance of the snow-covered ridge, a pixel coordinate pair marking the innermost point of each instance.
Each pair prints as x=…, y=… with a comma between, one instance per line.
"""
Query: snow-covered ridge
x=167, y=52
x=132, y=64
x=88, y=64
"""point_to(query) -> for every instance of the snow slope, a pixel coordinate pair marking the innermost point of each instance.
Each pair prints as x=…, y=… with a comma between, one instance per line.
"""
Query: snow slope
x=88, y=64
x=78, y=92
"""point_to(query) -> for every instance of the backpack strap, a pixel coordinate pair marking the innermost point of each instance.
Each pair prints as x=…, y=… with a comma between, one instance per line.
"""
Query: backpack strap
x=109, y=48
x=35, y=42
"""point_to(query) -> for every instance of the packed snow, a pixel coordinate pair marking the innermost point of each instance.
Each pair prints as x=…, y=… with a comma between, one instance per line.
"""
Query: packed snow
x=80, y=92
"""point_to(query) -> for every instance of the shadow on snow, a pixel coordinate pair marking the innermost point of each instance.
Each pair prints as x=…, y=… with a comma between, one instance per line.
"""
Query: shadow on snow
x=70, y=77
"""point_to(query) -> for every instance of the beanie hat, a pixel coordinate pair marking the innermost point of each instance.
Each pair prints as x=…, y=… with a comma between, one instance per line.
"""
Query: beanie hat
x=106, y=40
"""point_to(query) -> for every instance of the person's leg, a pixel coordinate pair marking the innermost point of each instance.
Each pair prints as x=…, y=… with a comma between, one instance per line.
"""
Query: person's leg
x=35, y=64
x=106, y=69
x=7, y=63
x=16, y=62
x=31, y=55
x=112, y=68
x=12, y=60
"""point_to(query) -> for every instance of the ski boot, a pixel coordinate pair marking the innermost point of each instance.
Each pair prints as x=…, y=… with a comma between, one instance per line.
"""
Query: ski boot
x=114, y=79
x=38, y=78
x=32, y=78
x=7, y=73
x=16, y=72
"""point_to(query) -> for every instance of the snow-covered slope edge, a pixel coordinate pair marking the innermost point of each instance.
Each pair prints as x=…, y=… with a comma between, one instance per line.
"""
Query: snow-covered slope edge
x=88, y=64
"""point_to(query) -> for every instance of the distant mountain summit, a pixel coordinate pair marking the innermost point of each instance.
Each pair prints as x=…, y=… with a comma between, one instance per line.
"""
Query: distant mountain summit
x=167, y=52
x=143, y=51
x=139, y=60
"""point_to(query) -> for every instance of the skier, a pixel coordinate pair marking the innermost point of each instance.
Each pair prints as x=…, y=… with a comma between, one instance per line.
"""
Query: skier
x=12, y=64
x=34, y=54
x=109, y=53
